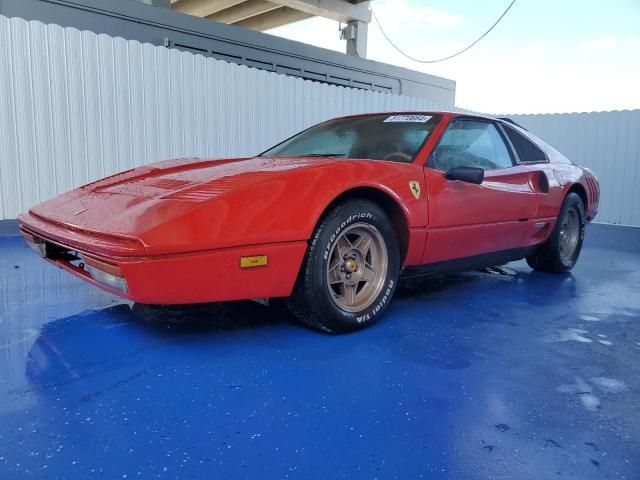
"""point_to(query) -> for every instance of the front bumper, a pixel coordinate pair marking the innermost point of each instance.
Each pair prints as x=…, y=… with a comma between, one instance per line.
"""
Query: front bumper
x=196, y=277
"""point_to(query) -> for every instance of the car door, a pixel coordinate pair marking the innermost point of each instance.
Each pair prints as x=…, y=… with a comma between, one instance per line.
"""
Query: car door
x=467, y=219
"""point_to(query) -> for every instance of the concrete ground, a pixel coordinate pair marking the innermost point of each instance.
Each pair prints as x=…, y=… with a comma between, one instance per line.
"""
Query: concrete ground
x=504, y=373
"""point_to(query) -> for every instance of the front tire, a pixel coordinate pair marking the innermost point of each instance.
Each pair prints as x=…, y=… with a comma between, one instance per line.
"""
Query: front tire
x=350, y=270
x=561, y=250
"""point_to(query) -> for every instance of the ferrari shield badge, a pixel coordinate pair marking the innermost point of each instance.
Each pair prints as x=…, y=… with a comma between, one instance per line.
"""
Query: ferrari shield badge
x=415, y=188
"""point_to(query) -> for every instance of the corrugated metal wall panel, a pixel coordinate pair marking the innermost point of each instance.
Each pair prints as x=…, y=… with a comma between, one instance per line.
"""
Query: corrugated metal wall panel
x=606, y=142
x=76, y=106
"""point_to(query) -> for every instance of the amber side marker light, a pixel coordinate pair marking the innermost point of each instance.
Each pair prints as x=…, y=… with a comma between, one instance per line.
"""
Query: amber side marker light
x=105, y=273
x=254, y=261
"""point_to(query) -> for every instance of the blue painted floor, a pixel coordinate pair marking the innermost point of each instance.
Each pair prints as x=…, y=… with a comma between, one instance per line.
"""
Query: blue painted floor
x=498, y=374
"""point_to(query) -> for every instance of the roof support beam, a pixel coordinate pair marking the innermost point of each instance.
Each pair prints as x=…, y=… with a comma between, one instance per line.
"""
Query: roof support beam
x=275, y=18
x=243, y=11
x=202, y=8
x=338, y=10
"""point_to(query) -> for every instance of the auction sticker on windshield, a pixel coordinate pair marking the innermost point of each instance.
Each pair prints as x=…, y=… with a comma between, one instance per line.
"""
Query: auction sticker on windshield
x=409, y=118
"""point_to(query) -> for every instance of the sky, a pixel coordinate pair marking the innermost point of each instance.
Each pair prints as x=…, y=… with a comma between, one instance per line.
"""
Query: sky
x=545, y=56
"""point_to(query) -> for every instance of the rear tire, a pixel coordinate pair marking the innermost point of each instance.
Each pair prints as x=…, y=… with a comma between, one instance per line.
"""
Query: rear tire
x=350, y=271
x=561, y=250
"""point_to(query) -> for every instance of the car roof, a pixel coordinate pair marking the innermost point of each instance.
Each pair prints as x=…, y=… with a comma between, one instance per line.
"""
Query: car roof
x=450, y=113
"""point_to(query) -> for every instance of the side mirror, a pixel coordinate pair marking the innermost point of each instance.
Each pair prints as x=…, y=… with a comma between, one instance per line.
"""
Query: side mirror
x=465, y=174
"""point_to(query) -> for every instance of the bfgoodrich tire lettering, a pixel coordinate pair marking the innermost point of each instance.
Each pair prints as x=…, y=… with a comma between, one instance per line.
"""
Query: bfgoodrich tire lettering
x=350, y=270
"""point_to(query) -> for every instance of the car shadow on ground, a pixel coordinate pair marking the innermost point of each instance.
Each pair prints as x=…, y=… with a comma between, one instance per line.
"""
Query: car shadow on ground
x=442, y=282
x=210, y=317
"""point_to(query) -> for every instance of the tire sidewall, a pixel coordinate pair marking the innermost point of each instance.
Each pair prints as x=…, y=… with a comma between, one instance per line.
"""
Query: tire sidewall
x=341, y=219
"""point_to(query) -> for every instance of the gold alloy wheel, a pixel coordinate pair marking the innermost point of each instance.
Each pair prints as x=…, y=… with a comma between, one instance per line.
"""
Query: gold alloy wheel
x=357, y=267
x=569, y=234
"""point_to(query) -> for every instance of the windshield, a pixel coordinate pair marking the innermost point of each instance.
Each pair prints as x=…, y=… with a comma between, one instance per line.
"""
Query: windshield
x=396, y=138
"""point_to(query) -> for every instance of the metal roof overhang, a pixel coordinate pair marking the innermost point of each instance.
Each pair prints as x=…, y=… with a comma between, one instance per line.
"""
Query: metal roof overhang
x=263, y=15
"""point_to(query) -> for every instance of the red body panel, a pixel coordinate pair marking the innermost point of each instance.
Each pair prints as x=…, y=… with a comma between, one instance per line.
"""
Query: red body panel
x=177, y=229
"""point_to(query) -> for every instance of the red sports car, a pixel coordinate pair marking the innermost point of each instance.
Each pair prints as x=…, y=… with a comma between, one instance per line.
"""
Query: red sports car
x=329, y=218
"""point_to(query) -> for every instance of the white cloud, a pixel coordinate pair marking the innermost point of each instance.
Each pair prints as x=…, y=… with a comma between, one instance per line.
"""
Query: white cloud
x=598, y=45
x=535, y=49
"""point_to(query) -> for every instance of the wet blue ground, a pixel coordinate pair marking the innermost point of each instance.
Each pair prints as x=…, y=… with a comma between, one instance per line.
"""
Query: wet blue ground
x=495, y=374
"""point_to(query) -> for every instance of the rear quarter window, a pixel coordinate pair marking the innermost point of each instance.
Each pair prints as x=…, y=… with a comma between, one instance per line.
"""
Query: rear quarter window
x=527, y=151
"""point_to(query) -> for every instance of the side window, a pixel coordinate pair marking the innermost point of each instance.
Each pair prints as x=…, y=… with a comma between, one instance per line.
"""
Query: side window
x=471, y=143
x=528, y=151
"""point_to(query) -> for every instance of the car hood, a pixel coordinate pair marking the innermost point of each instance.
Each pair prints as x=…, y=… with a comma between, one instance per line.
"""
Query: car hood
x=195, y=178
x=178, y=204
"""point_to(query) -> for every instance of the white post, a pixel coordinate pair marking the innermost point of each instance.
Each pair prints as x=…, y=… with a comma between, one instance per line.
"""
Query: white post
x=355, y=33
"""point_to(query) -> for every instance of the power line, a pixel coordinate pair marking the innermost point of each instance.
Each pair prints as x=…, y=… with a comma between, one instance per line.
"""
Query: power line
x=445, y=58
